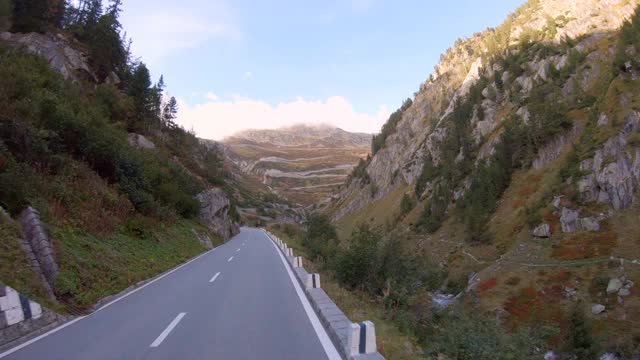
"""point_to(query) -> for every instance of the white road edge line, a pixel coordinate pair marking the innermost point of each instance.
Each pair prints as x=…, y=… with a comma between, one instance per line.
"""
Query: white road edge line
x=167, y=331
x=214, y=277
x=152, y=281
x=231, y=258
x=25, y=344
x=327, y=344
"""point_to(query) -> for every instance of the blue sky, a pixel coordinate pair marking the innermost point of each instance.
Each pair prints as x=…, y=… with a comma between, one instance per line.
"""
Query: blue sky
x=264, y=64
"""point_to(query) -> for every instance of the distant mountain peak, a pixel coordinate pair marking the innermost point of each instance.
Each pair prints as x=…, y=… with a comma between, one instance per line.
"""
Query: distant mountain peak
x=308, y=135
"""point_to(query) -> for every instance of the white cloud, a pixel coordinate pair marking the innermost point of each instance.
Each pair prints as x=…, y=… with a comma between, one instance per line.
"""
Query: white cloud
x=159, y=31
x=217, y=119
x=211, y=96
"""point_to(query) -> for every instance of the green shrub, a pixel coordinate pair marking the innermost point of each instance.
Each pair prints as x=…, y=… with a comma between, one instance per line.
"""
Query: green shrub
x=579, y=342
x=320, y=238
x=428, y=173
x=406, y=205
x=6, y=9
x=467, y=335
x=360, y=172
x=353, y=265
x=629, y=36
x=434, y=211
x=389, y=128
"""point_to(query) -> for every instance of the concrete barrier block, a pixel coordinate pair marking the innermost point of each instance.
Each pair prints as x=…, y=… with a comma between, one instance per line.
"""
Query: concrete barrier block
x=370, y=340
x=10, y=300
x=353, y=340
x=14, y=315
x=313, y=281
x=290, y=252
x=361, y=339
x=36, y=309
x=297, y=262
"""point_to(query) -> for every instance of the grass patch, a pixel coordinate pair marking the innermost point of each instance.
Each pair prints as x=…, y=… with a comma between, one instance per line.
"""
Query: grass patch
x=92, y=267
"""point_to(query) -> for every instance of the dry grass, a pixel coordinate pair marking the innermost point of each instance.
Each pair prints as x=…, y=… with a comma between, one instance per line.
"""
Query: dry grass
x=377, y=213
x=585, y=246
x=86, y=197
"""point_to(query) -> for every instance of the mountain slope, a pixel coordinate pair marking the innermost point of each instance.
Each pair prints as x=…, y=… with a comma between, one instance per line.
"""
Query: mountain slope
x=517, y=166
x=123, y=193
x=301, y=163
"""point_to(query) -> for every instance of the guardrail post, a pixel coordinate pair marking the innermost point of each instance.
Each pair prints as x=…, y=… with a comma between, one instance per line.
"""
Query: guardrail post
x=353, y=340
x=370, y=339
x=297, y=262
x=313, y=281
x=361, y=338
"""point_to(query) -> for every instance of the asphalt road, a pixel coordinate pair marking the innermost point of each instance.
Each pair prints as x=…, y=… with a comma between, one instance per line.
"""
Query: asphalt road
x=235, y=302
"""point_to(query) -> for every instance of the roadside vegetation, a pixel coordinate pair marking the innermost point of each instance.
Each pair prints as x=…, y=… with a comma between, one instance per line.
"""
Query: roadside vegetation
x=373, y=277
x=116, y=213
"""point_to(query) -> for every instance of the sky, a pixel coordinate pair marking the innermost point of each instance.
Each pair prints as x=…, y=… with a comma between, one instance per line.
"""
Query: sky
x=239, y=64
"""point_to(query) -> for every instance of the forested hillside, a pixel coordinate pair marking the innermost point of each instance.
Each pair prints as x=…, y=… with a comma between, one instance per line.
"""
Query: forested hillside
x=88, y=139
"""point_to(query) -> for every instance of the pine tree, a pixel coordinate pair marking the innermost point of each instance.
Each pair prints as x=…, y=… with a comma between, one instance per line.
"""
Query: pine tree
x=140, y=91
x=91, y=13
x=56, y=12
x=6, y=10
x=157, y=91
x=115, y=8
x=170, y=112
x=30, y=15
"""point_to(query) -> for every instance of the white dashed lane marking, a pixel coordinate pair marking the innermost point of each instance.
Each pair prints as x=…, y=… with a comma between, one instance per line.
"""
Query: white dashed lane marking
x=167, y=331
x=214, y=277
x=231, y=258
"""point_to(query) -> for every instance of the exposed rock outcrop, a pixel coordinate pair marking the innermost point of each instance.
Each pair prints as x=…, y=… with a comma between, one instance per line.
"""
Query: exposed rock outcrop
x=571, y=221
x=613, y=174
x=552, y=150
x=140, y=141
x=614, y=286
x=597, y=309
x=542, y=231
x=60, y=52
x=214, y=212
x=418, y=135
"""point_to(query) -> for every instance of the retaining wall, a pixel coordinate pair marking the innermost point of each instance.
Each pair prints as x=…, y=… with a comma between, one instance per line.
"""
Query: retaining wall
x=38, y=248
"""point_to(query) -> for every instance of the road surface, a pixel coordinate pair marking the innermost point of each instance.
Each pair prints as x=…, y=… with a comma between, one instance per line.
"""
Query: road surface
x=238, y=301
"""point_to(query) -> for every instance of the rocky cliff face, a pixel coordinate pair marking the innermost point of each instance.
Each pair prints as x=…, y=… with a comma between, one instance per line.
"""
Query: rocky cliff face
x=519, y=161
x=420, y=133
x=215, y=213
x=61, y=52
